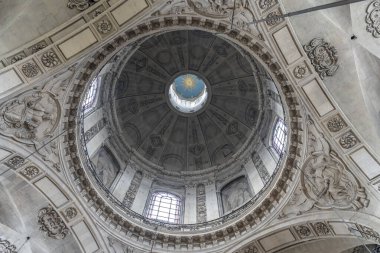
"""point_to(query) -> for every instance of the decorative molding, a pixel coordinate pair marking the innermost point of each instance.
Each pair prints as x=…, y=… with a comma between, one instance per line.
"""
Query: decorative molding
x=348, y=140
x=104, y=26
x=80, y=5
x=94, y=130
x=132, y=190
x=15, y=161
x=373, y=18
x=266, y=4
x=51, y=224
x=7, y=247
x=30, y=69
x=30, y=172
x=261, y=169
x=336, y=123
x=303, y=231
x=70, y=213
x=274, y=18
x=323, y=56
x=50, y=59
x=201, y=203
x=300, y=71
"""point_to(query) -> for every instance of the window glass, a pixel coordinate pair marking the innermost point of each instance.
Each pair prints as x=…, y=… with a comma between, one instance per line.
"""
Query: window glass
x=279, y=137
x=164, y=207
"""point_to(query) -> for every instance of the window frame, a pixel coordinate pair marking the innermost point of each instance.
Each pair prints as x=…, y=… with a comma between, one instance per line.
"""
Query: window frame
x=151, y=204
x=278, y=142
x=91, y=95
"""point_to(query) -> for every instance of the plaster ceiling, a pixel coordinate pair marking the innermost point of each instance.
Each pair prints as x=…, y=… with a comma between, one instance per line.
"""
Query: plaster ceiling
x=176, y=141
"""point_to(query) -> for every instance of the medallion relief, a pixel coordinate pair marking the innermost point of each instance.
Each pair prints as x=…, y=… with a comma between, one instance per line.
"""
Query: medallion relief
x=52, y=224
x=326, y=182
x=30, y=117
x=373, y=18
x=323, y=56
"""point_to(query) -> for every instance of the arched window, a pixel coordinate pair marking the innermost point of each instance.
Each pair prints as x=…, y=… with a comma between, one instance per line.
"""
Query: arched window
x=279, y=137
x=89, y=100
x=165, y=207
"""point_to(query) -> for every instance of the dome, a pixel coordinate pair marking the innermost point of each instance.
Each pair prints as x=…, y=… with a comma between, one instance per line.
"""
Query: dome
x=190, y=117
x=187, y=101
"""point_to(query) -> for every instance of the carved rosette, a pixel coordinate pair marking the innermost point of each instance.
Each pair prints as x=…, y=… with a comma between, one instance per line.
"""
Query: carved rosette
x=30, y=117
x=7, y=247
x=328, y=183
x=323, y=56
x=348, y=140
x=52, y=224
x=373, y=18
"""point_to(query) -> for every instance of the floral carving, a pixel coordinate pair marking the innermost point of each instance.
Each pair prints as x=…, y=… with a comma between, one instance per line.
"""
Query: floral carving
x=50, y=59
x=104, y=26
x=17, y=57
x=274, y=18
x=30, y=69
x=30, y=117
x=37, y=47
x=348, y=140
x=81, y=5
x=7, y=247
x=321, y=228
x=323, y=56
x=52, y=224
x=266, y=4
x=30, y=172
x=16, y=161
x=71, y=213
x=303, y=231
x=373, y=18
x=300, y=71
x=335, y=124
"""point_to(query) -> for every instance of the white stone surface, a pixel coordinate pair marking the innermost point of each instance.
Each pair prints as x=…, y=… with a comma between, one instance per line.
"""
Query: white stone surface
x=287, y=45
x=211, y=202
x=318, y=98
x=85, y=238
x=8, y=80
x=91, y=119
x=277, y=239
x=123, y=184
x=96, y=142
x=190, y=215
x=366, y=162
x=77, y=43
x=128, y=9
x=142, y=195
x=51, y=191
x=253, y=177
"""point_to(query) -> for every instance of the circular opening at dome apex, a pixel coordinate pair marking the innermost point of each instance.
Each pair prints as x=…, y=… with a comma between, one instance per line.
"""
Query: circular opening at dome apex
x=188, y=93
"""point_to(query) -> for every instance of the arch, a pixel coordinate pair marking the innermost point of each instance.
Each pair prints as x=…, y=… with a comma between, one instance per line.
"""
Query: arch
x=166, y=207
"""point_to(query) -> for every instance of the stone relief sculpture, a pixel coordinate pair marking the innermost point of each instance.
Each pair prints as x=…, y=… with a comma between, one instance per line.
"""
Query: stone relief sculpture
x=52, y=224
x=106, y=166
x=30, y=117
x=325, y=180
x=7, y=247
x=80, y=5
x=323, y=56
x=239, y=10
x=235, y=194
x=373, y=18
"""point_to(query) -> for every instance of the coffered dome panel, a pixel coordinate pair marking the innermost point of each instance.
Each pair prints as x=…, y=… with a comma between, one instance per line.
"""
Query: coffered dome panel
x=186, y=141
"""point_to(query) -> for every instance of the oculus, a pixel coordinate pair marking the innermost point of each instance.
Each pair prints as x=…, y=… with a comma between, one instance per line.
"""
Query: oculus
x=188, y=93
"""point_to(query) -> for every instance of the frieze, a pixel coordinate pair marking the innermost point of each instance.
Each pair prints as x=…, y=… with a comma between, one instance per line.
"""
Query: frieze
x=80, y=5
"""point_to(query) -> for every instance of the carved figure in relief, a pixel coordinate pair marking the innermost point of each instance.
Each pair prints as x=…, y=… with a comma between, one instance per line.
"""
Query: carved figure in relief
x=31, y=117
x=235, y=194
x=325, y=180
